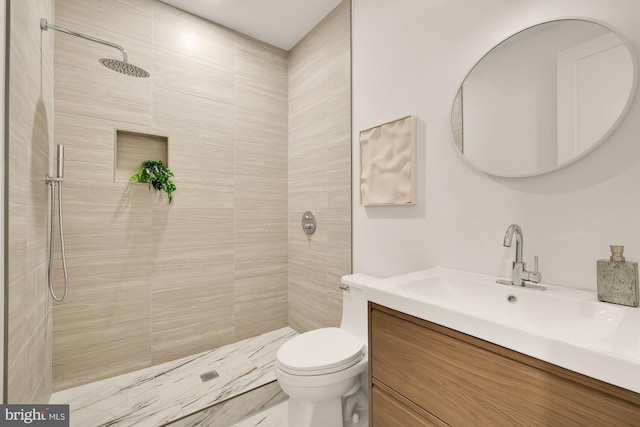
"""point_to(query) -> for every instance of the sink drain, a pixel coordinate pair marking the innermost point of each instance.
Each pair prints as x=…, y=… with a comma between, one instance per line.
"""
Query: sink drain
x=512, y=299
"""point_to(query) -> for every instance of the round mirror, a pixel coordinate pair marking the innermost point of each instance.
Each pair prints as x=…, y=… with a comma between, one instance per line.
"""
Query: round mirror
x=543, y=98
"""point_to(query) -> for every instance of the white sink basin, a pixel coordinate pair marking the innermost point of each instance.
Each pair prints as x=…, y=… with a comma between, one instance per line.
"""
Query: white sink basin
x=564, y=326
x=546, y=313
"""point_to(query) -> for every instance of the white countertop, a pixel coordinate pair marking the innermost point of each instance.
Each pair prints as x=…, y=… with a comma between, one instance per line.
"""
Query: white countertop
x=564, y=326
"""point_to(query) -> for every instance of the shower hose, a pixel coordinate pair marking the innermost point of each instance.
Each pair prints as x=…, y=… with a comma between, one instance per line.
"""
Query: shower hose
x=53, y=185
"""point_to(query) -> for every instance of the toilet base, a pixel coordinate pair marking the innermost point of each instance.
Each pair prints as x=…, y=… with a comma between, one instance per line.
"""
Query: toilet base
x=318, y=414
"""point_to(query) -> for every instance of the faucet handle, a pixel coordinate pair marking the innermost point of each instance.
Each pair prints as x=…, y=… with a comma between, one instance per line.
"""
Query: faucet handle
x=532, y=276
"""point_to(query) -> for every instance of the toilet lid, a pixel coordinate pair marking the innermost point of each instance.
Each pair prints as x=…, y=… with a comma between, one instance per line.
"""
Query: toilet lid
x=320, y=351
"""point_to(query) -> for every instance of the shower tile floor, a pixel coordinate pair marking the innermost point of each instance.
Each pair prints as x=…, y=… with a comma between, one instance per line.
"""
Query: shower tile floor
x=174, y=390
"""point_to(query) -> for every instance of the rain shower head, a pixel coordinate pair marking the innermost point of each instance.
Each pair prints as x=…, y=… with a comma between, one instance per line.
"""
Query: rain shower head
x=124, y=67
x=113, y=64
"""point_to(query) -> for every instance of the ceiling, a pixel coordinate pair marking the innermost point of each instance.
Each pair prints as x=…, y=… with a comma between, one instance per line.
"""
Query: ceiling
x=281, y=23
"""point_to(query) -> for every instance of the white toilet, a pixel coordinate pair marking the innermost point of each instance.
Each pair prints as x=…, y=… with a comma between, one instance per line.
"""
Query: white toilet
x=324, y=371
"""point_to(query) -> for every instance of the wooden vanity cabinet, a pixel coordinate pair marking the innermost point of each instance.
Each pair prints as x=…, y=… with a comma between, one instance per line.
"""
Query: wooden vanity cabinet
x=391, y=409
x=424, y=374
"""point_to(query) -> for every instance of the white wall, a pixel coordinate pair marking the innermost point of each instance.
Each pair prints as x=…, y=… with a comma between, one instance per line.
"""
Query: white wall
x=409, y=57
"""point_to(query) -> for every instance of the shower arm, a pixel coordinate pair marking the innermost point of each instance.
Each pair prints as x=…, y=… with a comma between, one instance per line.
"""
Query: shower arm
x=44, y=25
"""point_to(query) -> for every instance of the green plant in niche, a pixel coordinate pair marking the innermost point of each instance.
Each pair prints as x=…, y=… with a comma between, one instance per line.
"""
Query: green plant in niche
x=157, y=175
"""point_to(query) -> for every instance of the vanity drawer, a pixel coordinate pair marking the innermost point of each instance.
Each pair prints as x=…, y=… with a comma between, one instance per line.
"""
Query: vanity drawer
x=392, y=410
x=466, y=381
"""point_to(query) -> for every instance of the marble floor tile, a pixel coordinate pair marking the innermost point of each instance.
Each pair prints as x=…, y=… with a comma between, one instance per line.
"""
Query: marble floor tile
x=263, y=348
x=111, y=388
x=275, y=416
x=120, y=401
x=193, y=394
x=173, y=390
x=233, y=410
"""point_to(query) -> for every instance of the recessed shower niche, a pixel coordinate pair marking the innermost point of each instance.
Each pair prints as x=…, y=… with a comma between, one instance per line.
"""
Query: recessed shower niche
x=133, y=148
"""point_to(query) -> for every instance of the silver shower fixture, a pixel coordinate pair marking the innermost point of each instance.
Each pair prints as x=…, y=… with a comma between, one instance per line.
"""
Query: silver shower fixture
x=56, y=183
x=123, y=66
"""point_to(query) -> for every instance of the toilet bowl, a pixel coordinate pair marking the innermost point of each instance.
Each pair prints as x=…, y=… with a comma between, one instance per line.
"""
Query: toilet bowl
x=324, y=370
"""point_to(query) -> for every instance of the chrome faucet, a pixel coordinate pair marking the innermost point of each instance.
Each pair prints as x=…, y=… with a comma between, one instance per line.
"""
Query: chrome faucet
x=518, y=265
x=519, y=274
x=508, y=236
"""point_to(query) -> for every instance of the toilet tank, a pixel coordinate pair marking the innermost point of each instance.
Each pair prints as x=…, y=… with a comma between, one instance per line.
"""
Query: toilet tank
x=354, y=304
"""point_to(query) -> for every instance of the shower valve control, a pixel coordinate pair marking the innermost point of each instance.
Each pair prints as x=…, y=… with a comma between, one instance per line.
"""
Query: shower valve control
x=308, y=223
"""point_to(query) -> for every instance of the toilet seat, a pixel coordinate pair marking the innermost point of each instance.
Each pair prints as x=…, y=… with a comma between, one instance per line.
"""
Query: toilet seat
x=321, y=351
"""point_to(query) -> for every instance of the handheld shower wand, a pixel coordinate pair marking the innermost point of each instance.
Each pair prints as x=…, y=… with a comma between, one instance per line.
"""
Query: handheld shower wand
x=60, y=165
x=57, y=182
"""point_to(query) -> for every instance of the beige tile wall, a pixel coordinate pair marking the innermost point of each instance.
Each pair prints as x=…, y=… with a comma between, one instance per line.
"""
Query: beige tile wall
x=150, y=281
x=320, y=170
x=30, y=150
